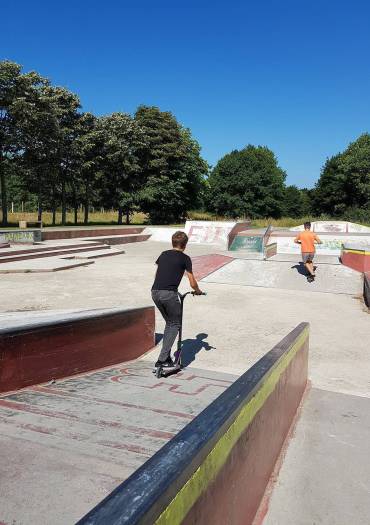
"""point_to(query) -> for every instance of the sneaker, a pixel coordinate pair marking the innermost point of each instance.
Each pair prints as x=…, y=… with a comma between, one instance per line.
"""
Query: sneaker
x=165, y=364
x=310, y=278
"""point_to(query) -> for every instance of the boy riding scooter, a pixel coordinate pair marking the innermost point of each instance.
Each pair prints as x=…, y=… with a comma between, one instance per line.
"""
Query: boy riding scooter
x=172, y=264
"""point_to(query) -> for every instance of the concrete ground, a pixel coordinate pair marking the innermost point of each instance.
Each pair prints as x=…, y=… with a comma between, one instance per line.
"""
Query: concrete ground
x=228, y=330
x=325, y=476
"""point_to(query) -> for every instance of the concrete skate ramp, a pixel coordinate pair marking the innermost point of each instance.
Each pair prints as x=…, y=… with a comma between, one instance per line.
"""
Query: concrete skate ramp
x=288, y=276
x=215, y=233
x=39, y=351
x=217, y=468
x=204, y=265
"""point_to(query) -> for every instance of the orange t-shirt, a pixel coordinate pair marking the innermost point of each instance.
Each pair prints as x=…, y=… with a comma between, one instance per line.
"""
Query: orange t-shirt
x=307, y=239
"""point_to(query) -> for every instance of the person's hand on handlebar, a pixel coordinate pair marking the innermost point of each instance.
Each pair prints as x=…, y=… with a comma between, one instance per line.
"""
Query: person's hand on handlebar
x=194, y=284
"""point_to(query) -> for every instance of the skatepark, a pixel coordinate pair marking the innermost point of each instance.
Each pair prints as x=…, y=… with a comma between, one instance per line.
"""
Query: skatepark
x=81, y=414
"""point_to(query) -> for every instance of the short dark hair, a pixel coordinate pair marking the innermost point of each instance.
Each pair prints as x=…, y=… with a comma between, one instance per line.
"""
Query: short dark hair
x=307, y=225
x=180, y=240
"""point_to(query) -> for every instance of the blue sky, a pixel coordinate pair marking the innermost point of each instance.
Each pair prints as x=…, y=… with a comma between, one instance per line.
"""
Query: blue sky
x=294, y=76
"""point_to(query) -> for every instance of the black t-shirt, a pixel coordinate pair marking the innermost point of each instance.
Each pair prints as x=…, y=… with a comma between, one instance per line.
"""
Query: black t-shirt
x=171, y=267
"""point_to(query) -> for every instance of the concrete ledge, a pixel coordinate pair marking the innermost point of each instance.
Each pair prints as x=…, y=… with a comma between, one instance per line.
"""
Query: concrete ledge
x=70, y=233
x=123, y=239
x=39, y=352
x=356, y=258
x=217, y=468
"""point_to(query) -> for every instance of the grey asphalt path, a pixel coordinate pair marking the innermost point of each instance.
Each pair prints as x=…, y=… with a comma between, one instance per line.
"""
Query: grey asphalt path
x=325, y=476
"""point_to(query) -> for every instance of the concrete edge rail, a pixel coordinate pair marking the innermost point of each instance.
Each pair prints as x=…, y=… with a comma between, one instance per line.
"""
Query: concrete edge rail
x=77, y=343
x=217, y=468
x=356, y=258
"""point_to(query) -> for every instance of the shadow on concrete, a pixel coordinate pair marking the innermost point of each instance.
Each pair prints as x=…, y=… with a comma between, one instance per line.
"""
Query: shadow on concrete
x=300, y=269
x=191, y=347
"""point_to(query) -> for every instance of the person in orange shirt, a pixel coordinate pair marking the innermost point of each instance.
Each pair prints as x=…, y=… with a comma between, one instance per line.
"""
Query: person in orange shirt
x=307, y=239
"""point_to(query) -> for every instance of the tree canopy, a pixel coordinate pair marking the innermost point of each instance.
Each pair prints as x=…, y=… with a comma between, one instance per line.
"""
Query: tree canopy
x=247, y=183
x=343, y=189
x=54, y=156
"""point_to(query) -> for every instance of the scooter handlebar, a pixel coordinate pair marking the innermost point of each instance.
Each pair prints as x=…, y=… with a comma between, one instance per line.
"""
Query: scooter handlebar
x=192, y=293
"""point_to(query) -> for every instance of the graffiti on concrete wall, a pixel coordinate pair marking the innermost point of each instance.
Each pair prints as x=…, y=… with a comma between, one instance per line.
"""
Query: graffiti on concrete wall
x=204, y=232
x=334, y=227
x=21, y=236
x=249, y=243
x=331, y=244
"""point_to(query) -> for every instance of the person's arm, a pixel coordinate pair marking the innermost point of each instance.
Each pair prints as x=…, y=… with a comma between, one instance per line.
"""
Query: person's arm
x=317, y=240
x=297, y=240
x=193, y=283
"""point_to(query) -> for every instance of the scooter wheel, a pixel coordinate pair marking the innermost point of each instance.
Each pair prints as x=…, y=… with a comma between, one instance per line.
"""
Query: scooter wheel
x=158, y=373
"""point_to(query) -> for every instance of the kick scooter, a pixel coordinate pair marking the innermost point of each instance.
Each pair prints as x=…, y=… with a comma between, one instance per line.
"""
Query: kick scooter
x=167, y=371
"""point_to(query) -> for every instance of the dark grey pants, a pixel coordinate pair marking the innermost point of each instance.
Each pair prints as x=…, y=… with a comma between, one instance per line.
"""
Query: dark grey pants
x=168, y=303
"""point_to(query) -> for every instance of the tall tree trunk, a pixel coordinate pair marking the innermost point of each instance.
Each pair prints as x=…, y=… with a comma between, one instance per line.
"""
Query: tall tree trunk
x=64, y=206
x=39, y=210
x=87, y=202
x=127, y=216
x=120, y=214
x=53, y=206
x=4, y=205
x=75, y=205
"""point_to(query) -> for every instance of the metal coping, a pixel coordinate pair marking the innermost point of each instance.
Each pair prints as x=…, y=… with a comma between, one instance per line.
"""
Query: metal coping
x=148, y=492
x=75, y=317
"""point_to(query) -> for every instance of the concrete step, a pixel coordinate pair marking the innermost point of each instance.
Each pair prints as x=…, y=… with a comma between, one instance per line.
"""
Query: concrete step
x=94, y=255
x=51, y=253
x=47, y=248
x=121, y=239
x=41, y=266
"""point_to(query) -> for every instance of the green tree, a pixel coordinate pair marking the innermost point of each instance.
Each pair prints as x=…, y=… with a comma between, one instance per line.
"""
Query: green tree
x=344, y=183
x=37, y=123
x=355, y=166
x=17, y=89
x=122, y=174
x=64, y=108
x=247, y=183
x=88, y=167
x=173, y=167
x=330, y=196
x=297, y=202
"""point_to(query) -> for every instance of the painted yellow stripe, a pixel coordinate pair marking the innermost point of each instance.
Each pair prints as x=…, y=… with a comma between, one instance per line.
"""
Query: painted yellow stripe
x=360, y=252
x=176, y=511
